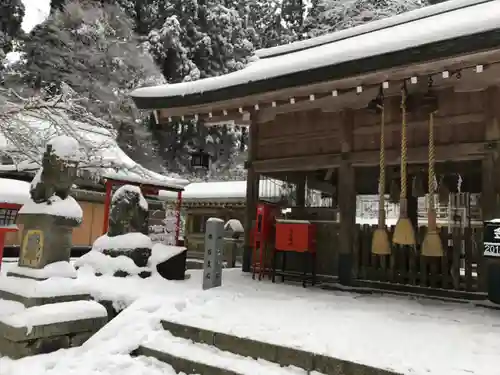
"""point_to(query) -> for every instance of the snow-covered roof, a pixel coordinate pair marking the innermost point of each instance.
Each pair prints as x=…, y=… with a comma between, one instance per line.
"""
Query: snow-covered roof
x=14, y=191
x=103, y=156
x=229, y=190
x=442, y=22
x=143, y=176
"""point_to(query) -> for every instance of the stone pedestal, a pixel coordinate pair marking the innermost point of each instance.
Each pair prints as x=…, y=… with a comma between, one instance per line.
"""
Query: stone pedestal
x=45, y=316
x=46, y=239
x=39, y=312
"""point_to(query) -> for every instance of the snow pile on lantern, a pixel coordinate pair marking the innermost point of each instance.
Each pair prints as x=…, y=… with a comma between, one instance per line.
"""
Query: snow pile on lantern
x=126, y=250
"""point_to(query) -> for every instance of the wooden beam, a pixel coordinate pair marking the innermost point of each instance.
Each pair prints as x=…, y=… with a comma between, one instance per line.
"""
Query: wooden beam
x=439, y=121
x=416, y=155
x=252, y=192
x=455, y=152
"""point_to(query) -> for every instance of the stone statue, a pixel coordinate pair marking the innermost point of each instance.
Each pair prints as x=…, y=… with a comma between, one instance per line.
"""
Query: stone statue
x=127, y=214
x=55, y=177
x=127, y=230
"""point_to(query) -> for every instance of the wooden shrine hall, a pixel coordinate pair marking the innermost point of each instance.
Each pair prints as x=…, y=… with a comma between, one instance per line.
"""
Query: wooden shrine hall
x=404, y=107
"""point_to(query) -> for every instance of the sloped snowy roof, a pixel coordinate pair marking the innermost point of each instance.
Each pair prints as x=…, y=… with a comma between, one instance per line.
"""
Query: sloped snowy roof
x=439, y=23
x=103, y=156
x=229, y=190
x=14, y=191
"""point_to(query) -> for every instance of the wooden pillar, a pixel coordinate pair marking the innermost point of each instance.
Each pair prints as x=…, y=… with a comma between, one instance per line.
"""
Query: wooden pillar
x=178, y=218
x=347, y=202
x=107, y=206
x=252, y=195
x=490, y=194
x=301, y=192
x=490, y=200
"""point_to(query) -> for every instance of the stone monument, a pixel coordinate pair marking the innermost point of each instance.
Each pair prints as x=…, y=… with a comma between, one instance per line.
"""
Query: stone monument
x=49, y=313
x=214, y=242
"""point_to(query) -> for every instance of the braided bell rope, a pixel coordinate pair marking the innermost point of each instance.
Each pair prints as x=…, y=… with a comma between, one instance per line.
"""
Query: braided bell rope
x=403, y=143
x=381, y=183
x=432, y=160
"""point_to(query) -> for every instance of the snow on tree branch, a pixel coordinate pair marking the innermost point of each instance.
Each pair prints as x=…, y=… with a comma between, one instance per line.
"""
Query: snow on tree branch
x=28, y=124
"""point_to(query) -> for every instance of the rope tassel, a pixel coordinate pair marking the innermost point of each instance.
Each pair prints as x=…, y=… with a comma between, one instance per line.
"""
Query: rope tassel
x=380, y=241
x=404, y=233
x=432, y=245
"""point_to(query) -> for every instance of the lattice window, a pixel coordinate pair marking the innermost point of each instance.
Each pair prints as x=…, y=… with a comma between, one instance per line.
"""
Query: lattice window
x=7, y=216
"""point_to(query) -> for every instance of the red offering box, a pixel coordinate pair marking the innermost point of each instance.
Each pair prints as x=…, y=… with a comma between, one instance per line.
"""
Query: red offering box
x=295, y=235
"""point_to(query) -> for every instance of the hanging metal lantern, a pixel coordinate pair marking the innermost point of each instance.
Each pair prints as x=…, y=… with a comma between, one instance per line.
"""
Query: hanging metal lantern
x=394, y=192
x=418, y=186
x=200, y=160
x=375, y=105
x=443, y=191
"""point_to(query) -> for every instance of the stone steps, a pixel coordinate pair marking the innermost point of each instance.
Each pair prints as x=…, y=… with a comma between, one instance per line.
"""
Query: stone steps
x=42, y=317
x=198, y=351
x=194, y=358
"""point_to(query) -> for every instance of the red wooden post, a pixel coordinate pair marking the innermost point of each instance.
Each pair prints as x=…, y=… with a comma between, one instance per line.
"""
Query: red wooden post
x=178, y=218
x=107, y=204
x=2, y=245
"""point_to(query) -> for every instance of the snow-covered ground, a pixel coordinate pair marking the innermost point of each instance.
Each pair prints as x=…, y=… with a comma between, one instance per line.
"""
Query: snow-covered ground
x=412, y=336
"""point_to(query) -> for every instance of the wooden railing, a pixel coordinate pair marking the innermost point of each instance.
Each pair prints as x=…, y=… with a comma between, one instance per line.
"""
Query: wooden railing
x=461, y=268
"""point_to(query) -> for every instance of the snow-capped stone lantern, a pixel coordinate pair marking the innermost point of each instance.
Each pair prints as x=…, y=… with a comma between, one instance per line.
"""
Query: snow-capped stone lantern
x=200, y=159
x=49, y=216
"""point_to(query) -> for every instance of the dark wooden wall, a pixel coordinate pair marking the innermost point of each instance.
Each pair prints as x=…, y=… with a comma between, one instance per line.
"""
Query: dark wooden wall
x=461, y=119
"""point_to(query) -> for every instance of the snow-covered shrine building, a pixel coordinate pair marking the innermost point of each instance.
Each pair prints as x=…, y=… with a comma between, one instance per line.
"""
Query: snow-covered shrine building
x=314, y=109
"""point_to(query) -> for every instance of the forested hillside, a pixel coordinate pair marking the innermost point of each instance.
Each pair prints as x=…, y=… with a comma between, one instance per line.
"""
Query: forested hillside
x=99, y=50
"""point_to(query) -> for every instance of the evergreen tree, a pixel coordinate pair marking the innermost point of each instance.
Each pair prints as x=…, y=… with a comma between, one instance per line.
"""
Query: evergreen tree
x=332, y=15
x=11, y=18
x=293, y=12
x=199, y=39
x=57, y=5
x=93, y=51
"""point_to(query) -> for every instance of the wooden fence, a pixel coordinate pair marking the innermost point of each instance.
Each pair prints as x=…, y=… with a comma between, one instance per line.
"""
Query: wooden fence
x=460, y=269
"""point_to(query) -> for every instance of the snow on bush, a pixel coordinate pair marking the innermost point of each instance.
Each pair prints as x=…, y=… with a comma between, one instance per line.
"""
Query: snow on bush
x=234, y=225
x=100, y=263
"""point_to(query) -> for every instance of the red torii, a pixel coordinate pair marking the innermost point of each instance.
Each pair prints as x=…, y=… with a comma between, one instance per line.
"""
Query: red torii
x=147, y=188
